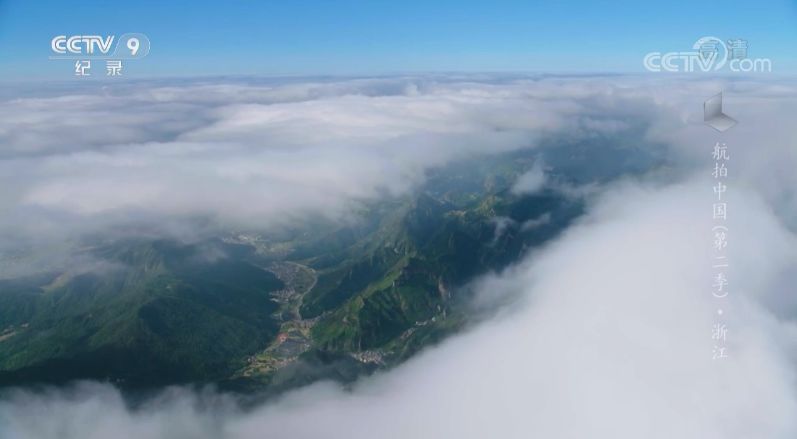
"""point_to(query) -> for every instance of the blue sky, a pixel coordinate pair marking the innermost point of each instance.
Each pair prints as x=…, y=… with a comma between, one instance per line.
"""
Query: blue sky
x=348, y=37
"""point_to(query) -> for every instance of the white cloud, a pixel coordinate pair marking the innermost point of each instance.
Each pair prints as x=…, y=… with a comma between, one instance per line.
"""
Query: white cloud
x=284, y=149
x=611, y=334
x=536, y=222
x=611, y=339
x=257, y=154
x=531, y=181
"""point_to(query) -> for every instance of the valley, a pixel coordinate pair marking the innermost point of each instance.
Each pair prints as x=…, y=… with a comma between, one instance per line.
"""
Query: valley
x=256, y=310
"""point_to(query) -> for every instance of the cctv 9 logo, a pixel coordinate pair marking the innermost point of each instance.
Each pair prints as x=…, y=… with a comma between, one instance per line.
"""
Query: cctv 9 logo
x=128, y=46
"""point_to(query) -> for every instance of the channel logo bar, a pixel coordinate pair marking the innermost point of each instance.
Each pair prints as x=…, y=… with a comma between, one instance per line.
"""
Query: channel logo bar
x=127, y=46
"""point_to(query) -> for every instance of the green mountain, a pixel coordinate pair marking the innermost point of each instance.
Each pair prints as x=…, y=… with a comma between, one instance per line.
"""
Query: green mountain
x=394, y=283
x=156, y=312
x=278, y=308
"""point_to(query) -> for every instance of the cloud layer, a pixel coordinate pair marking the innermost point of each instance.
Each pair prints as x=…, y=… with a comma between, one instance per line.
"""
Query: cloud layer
x=610, y=336
x=251, y=154
x=611, y=339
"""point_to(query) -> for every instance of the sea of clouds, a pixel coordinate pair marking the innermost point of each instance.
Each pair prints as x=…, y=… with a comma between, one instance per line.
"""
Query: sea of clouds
x=610, y=334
